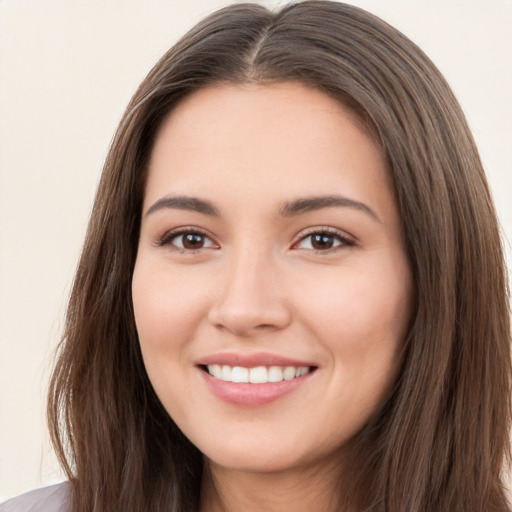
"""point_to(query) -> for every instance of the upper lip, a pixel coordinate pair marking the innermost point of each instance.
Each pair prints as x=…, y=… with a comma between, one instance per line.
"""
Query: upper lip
x=251, y=360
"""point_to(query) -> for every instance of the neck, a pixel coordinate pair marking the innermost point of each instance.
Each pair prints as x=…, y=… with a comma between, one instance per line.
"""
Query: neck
x=227, y=490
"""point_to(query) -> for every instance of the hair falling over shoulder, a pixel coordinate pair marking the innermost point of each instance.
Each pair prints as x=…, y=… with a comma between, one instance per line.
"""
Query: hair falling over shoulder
x=441, y=441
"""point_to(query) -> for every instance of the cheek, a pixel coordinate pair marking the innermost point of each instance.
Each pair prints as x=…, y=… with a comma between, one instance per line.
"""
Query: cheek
x=168, y=307
x=361, y=317
x=359, y=303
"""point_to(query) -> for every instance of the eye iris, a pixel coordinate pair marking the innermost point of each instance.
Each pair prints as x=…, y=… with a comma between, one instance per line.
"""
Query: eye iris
x=193, y=241
x=322, y=241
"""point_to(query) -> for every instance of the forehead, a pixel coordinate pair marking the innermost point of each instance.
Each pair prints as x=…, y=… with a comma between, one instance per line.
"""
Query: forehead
x=283, y=138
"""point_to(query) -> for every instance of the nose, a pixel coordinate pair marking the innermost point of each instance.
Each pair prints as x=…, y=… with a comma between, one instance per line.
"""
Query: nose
x=251, y=298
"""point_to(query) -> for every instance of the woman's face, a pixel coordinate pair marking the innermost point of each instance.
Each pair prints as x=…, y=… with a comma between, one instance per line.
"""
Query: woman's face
x=271, y=289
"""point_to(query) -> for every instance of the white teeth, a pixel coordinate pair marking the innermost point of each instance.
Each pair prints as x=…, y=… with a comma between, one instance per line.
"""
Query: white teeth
x=289, y=373
x=275, y=374
x=256, y=375
x=240, y=374
x=226, y=373
x=216, y=370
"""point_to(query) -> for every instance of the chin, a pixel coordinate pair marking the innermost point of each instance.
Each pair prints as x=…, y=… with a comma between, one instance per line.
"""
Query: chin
x=270, y=456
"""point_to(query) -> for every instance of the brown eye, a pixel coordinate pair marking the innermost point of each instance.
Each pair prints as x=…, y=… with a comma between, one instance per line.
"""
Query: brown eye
x=322, y=241
x=193, y=241
x=187, y=241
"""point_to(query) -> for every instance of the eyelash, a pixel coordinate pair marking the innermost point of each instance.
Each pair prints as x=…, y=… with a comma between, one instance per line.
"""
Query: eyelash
x=168, y=238
x=343, y=241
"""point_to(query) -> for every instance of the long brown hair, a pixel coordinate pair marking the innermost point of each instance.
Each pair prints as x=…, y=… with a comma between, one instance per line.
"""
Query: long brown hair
x=440, y=441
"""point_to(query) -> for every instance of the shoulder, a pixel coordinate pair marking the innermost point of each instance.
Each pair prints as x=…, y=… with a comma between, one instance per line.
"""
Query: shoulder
x=54, y=498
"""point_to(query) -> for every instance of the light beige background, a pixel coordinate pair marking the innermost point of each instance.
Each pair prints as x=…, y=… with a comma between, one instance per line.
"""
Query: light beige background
x=67, y=70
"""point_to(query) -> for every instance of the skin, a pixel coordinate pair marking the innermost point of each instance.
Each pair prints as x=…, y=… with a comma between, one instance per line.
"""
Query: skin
x=257, y=282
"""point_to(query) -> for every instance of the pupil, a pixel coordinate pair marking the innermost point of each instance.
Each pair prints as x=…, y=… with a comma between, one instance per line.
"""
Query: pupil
x=193, y=241
x=322, y=241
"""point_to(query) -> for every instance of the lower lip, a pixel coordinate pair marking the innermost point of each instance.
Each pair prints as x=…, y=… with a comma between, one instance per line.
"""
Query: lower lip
x=251, y=395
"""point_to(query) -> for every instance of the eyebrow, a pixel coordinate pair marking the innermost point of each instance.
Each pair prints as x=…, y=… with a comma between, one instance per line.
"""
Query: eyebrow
x=289, y=209
x=309, y=204
x=193, y=204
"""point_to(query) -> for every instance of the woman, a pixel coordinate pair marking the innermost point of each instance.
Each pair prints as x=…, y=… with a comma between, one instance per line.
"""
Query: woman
x=292, y=290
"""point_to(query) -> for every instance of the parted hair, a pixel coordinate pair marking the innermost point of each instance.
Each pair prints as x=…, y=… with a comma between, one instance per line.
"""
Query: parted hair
x=440, y=442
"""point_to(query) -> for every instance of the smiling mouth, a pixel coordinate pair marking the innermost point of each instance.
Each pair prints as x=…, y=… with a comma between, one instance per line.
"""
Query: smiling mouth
x=257, y=374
